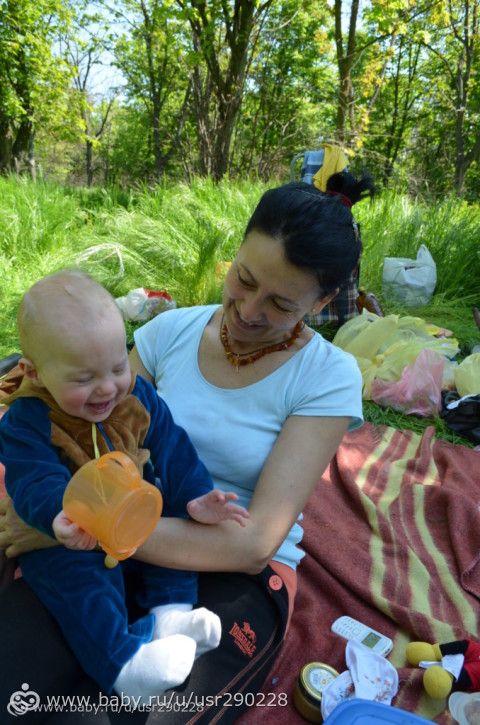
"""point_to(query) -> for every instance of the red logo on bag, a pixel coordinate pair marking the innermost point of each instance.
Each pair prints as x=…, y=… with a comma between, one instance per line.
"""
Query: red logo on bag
x=244, y=637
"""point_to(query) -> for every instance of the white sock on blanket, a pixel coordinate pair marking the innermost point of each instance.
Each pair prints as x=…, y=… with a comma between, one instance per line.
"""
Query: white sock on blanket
x=156, y=666
x=201, y=624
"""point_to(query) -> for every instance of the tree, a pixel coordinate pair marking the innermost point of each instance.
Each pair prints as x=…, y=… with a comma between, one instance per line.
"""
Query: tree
x=446, y=134
x=399, y=100
x=345, y=49
x=405, y=95
x=83, y=50
x=363, y=56
x=289, y=99
x=224, y=36
x=33, y=83
x=457, y=48
x=153, y=59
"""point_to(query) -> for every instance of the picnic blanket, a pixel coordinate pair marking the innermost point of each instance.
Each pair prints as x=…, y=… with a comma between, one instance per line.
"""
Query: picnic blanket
x=392, y=534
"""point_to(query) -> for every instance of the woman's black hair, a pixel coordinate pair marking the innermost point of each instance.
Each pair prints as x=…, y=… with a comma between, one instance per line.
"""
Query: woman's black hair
x=317, y=230
x=354, y=189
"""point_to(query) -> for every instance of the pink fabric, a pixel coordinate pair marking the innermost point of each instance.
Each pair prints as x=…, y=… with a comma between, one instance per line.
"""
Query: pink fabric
x=419, y=390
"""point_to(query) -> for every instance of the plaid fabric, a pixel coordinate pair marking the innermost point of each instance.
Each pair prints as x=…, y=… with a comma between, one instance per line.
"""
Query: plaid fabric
x=343, y=307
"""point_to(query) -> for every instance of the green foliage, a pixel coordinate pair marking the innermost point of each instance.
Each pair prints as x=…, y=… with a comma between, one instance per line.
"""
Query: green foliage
x=156, y=59
x=126, y=149
x=199, y=98
x=447, y=138
x=34, y=82
x=394, y=225
x=169, y=238
x=291, y=77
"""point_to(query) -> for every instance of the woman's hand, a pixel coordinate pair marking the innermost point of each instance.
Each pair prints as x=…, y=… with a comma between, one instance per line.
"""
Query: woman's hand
x=16, y=537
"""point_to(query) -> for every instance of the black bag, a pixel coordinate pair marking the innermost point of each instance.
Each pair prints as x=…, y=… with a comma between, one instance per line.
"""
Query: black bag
x=464, y=419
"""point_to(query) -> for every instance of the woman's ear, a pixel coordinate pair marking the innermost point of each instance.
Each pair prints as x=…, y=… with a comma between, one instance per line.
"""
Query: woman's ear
x=29, y=370
x=324, y=301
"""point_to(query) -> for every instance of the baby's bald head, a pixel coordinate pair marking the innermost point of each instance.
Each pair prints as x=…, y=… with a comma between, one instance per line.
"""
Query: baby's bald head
x=59, y=307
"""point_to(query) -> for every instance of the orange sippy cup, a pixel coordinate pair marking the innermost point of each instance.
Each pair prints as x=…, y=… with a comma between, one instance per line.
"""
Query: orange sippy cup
x=108, y=499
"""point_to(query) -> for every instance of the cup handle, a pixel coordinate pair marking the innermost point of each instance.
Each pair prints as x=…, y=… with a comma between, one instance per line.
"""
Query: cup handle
x=125, y=462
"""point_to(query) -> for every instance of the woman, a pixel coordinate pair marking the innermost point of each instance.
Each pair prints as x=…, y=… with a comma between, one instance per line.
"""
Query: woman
x=266, y=401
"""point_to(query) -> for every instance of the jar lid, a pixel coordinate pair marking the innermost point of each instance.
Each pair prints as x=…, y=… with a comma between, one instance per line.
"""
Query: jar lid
x=314, y=677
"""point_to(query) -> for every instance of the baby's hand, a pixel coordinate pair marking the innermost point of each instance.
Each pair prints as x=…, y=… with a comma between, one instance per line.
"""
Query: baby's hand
x=71, y=535
x=216, y=506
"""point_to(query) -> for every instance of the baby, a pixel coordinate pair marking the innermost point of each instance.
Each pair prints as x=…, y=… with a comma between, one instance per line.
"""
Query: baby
x=79, y=399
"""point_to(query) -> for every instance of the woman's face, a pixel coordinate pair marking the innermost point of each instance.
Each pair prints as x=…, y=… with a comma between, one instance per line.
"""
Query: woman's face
x=264, y=295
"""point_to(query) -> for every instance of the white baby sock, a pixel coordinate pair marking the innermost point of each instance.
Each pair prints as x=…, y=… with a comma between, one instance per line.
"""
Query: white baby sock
x=156, y=666
x=201, y=624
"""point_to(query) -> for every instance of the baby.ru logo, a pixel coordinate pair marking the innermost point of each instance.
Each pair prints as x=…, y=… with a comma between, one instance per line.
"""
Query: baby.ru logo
x=23, y=700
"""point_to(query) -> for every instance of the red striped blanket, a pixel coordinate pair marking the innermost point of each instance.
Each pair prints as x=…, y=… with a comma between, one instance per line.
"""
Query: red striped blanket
x=392, y=534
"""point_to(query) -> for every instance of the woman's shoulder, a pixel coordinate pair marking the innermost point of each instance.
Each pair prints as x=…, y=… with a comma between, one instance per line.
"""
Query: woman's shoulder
x=326, y=382
x=197, y=312
x=168, y=325
x=180, y=317
x=322, y=354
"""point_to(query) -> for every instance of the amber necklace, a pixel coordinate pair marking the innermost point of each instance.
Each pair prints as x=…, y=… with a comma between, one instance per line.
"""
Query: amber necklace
x=237, y=359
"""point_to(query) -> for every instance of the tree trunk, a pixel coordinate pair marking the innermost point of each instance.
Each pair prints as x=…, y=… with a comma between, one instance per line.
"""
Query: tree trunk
x=468, y=40
x=400, y=116
x=226, y=72
x=345, y=59
x=157, y=138
x=463, y=163
x=221, y=153
x=460, y=169
x=89, y=161
x=5, y=145
x=202, y=93
x=23, y=158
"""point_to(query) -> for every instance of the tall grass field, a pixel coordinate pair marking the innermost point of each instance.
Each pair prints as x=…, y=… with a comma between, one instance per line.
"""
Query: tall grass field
x=173, y=237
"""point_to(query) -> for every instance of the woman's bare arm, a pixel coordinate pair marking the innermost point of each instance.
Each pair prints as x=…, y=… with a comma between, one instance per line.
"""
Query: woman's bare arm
x=300, y=456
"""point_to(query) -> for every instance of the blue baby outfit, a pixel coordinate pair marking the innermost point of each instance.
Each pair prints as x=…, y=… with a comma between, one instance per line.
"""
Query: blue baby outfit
x=86, y=599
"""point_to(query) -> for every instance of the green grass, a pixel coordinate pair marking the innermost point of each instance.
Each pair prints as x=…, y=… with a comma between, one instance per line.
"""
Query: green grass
x=395, y=226
x=173, y=236
x=170, y=238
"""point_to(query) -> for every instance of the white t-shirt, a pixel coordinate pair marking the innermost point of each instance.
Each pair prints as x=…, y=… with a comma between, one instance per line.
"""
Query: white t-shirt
x=234, y=430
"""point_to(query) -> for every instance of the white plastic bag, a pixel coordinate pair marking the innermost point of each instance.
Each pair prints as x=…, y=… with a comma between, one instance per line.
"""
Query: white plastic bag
x=142, y=304
x=410, y=281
